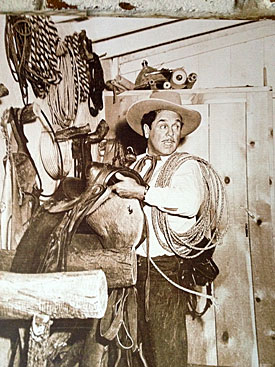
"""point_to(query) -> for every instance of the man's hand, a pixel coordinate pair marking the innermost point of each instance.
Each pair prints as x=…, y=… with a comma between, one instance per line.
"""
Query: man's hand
x=128, y=187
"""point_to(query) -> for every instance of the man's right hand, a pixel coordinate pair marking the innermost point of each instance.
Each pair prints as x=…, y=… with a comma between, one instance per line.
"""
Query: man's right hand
x=128, y=187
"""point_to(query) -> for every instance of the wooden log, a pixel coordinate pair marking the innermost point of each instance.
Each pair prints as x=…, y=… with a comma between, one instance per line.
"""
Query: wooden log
x=119, y=266
x=38, y=341
x=59, y=295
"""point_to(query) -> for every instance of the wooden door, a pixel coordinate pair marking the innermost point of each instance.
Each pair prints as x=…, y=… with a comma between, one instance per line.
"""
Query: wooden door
x=226, y=334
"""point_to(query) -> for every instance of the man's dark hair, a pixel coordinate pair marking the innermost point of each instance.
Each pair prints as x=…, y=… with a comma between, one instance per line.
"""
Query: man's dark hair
x=148, y=119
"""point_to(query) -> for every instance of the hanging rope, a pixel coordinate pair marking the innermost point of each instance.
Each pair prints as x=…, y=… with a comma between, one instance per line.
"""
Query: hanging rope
x=97, y=85
x=61, y=97
x=211, y=214
x=17, y=45
x=31, y=43
x=56, y=161
x=79, y=66
x=42, y=66
x=36, y=55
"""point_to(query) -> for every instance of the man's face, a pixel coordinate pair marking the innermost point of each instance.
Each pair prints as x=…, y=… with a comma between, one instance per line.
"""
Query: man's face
x=164, y=135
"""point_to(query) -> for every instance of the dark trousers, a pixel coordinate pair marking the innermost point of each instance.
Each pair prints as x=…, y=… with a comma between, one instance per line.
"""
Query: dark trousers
x=163, y=336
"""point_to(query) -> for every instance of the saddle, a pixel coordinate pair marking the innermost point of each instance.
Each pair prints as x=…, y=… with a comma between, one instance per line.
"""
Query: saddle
x=92, y=199
x=99, y=177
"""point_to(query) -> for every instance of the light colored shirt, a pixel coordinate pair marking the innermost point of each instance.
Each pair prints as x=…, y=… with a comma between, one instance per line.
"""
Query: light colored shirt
x=181, y=201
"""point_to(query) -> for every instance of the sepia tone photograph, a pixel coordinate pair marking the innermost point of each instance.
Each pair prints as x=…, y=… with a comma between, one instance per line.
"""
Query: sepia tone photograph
x=137, y=201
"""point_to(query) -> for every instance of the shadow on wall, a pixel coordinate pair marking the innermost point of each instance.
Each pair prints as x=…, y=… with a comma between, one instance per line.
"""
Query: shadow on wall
x=128, y=137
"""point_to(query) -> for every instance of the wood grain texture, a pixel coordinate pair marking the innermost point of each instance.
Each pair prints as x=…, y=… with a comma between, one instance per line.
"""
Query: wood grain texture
x=202, y=45
x=235, y=317
x=201, y=332
x=58, y=295
x=119, y=266
x=259, y=122
x=247, y=70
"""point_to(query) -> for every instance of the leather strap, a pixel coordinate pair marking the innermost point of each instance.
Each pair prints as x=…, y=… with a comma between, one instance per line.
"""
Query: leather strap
x=109, y=325
x=147, y=282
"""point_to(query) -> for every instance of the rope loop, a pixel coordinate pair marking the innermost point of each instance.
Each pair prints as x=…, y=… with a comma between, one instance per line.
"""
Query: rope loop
x=23, y=32
x=209, y=220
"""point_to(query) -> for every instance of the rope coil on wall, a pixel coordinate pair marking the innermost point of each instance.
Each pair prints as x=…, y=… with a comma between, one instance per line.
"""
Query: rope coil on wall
x=54, y=68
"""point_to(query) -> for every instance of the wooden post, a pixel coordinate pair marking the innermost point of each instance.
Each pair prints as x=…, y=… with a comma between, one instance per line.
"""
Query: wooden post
x=38, y=341
x=43, y=297
x=58, y=295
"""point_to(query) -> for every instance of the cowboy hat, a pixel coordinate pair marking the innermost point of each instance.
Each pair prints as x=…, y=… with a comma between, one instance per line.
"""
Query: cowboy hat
x=162, y=100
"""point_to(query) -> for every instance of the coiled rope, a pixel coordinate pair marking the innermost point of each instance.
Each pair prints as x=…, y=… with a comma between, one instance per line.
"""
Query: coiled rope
x=37, y=55
x=61, y=97
x=17, y=45
x=31, y=44
x=209, y=220
x=42, y=65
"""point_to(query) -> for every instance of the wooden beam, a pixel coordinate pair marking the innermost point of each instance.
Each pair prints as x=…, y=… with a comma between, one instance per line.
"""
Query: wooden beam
x=119, y=266
x=58, y=295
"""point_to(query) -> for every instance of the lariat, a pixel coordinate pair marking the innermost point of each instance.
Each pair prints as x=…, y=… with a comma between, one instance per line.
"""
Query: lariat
x=212, y=213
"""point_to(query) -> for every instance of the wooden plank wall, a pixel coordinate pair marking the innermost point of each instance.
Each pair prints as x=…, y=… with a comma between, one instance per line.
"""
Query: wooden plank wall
x=202, y=348
x=259, y=127
x=229, y=58
x=235, y=318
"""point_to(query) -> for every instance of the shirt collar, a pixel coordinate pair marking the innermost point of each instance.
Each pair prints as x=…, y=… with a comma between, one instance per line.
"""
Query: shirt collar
x=163, y=158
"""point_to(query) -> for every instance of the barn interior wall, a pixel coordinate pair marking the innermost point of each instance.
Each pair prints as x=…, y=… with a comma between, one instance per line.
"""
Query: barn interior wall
x=241, y=56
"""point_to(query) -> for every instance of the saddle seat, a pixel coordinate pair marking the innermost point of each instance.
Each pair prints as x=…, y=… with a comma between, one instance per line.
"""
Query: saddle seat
x=97, y=174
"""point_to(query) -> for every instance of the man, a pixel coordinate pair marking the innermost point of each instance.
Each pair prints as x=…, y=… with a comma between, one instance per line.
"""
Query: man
x=163, y=121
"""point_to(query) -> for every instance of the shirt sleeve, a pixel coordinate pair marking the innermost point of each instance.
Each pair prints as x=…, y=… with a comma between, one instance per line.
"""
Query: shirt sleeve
x=185, y=194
